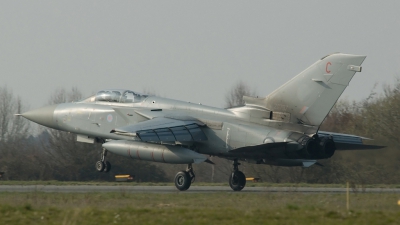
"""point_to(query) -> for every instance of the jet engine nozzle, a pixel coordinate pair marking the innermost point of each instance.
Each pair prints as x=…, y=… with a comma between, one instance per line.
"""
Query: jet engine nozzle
x=312, y=147
x=315, y=147
x=327, y=147
x=319, y=148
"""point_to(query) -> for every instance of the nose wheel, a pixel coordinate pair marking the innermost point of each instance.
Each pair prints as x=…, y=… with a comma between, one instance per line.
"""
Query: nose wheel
x=184, y=179
x=237, y=180
x=102, y=165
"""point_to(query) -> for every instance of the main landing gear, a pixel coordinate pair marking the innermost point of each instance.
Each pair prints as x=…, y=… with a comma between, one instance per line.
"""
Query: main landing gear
x=102, y=165
x=237, y=180
x=184, y=179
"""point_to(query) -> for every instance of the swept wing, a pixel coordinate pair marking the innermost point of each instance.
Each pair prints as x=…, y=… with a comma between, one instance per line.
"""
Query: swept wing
x=165, y=130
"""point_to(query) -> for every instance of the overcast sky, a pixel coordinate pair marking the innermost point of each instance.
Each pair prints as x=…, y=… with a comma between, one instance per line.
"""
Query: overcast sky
x=186, y=50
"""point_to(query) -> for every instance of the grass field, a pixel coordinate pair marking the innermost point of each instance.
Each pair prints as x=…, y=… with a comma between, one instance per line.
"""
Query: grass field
x=249, y=184
x=198, y=208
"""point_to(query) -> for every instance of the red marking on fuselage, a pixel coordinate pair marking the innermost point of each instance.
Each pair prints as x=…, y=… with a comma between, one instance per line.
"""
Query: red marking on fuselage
x=129, y=152
x=137, y=154
x=162, y=155
x=326, y=67
x=152, y=156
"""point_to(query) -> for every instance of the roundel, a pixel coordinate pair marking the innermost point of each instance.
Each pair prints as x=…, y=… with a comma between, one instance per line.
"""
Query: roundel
x=109, y=117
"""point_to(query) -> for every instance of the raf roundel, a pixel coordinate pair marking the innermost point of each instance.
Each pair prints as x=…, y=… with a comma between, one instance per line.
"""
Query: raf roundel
x=109, y=118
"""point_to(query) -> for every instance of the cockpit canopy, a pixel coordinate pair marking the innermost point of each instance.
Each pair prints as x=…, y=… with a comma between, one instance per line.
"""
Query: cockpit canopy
x=116, y=95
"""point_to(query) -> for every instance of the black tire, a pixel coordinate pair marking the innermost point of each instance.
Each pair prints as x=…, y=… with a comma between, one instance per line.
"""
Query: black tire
x=182, y=181
x=100, y=166
x=237, y=181
x=107, y=167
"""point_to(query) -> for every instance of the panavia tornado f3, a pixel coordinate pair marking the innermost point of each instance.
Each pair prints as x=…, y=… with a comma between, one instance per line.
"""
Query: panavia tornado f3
x=281, y=129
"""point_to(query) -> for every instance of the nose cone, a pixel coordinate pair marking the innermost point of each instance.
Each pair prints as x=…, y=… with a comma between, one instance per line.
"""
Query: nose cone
x=43, y=116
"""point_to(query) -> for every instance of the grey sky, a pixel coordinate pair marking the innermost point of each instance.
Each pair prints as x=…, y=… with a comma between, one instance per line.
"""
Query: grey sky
x=192, y=51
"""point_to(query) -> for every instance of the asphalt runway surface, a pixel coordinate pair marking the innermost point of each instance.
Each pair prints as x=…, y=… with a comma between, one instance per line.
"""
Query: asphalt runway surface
x=172, y=189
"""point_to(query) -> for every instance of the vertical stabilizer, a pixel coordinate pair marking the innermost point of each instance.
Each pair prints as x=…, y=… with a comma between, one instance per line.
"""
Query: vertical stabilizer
x=309, y=96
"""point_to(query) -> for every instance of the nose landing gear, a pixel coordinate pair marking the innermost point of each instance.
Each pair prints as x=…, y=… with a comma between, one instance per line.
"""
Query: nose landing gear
x=184, y=179
x=237, y=180
x=102, y=165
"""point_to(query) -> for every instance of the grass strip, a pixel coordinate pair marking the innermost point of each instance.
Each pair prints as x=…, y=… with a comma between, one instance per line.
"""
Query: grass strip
x=198, y=208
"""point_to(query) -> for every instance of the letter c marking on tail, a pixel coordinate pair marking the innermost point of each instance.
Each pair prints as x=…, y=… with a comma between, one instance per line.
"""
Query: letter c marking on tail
x=326, y=67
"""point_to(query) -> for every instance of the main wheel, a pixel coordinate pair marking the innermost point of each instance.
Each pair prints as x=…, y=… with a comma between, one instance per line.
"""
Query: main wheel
x=182, y=181
x=237, y=181
x=107, y=167
x=100, y=166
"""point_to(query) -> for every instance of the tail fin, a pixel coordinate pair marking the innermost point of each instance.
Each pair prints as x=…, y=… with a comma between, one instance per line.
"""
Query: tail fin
x=309, y=96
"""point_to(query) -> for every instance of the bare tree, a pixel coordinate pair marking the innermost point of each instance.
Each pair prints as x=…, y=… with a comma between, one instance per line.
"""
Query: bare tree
x=61, y=95
x=17, y=159
x=235, y=95
x=150, y=91
x=10, y=125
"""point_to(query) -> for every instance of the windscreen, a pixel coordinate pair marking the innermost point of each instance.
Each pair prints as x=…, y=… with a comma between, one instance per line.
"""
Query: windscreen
x=120, y=96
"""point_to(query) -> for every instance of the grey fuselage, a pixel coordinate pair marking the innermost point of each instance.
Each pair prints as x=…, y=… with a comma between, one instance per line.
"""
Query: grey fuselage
x=226, y=129
x=280, y=129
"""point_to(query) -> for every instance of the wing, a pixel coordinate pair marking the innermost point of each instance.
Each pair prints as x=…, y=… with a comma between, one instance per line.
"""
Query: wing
x=165, y=130
x=348, y=142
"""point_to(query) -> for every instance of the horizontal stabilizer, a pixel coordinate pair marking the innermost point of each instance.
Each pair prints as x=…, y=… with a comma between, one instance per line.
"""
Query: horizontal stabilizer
x=348, y=141
x=343, y=138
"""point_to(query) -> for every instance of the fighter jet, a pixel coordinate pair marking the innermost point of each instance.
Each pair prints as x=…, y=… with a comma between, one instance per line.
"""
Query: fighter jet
x=280, y=129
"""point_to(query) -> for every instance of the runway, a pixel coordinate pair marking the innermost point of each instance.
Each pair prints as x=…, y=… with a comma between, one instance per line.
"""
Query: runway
x=172, y=189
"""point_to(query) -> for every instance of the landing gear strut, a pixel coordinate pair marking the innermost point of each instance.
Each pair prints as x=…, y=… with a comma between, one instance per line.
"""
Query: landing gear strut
x=237, y=180
x=103, y=165
x=184, y=179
